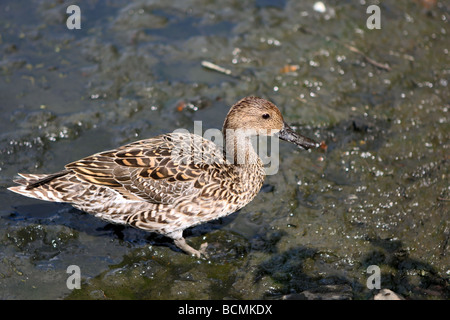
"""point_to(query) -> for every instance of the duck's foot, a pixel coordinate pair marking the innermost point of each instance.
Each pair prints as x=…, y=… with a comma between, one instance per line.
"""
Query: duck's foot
x=202, y=250
x=181, y=243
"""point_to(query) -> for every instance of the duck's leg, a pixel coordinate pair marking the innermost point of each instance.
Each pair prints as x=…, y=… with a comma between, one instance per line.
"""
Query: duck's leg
x=180, y=242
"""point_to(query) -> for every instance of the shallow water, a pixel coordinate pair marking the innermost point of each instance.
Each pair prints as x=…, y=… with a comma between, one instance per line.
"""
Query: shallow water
x=378, y=195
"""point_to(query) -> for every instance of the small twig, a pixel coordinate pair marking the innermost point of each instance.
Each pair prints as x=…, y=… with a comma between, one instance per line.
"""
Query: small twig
x=443, y=199
x=384, y=66
x=215, y=67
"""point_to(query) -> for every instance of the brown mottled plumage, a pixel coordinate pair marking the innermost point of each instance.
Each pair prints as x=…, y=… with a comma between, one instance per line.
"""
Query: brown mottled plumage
x=173, y=181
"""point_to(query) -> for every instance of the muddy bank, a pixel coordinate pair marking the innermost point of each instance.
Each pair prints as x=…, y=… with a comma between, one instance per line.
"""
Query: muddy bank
x=378, y=195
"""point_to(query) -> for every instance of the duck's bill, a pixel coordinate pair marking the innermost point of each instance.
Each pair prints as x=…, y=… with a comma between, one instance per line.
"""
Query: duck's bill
x=289, y=135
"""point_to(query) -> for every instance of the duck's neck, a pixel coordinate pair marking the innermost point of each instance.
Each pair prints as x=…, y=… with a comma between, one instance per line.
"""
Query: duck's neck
x=239, y=149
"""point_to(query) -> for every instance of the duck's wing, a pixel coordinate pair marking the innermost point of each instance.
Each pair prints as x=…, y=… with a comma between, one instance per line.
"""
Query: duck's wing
x=160, y=170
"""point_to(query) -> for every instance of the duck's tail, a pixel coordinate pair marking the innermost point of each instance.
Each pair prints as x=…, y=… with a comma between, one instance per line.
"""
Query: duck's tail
x=39, y=186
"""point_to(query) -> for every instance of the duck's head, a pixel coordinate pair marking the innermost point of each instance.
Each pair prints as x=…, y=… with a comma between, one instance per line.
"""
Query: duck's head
x=261, y=117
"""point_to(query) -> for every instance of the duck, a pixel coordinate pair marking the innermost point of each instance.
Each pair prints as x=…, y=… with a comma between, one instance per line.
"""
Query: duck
x=172, y=181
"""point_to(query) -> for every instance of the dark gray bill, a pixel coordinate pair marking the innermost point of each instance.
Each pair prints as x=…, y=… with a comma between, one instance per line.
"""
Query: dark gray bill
x=289, y=135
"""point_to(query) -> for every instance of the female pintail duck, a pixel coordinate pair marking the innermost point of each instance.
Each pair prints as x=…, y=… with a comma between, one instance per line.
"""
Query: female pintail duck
x=173, y=181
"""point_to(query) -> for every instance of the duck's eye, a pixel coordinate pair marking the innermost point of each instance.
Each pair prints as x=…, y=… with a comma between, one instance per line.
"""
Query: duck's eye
x=266, y=116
